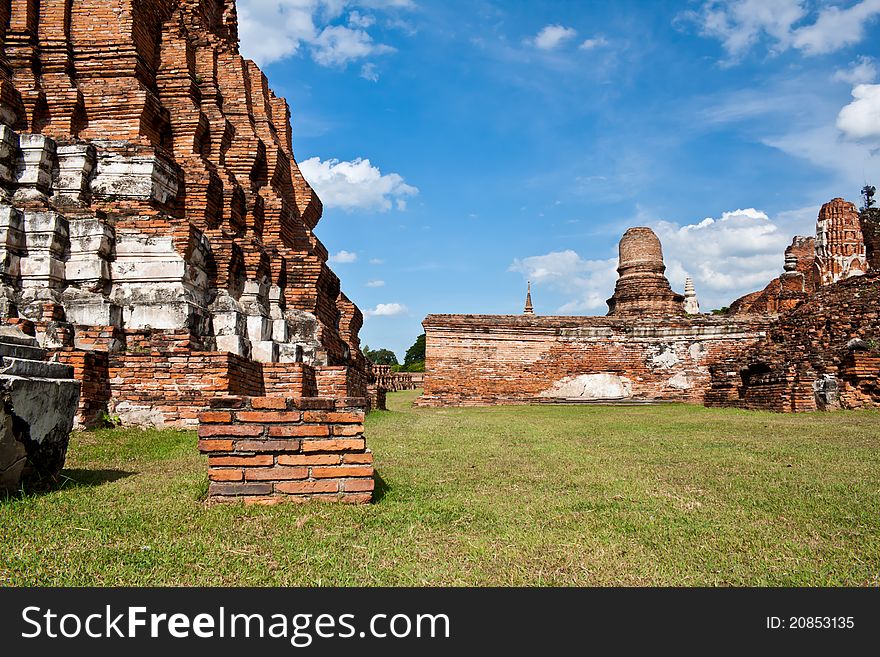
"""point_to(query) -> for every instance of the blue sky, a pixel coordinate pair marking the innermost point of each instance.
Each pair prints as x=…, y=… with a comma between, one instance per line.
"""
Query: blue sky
x=461, y=148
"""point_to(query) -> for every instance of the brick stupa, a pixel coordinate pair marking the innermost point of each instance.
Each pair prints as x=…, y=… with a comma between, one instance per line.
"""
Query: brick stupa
x=642, y=288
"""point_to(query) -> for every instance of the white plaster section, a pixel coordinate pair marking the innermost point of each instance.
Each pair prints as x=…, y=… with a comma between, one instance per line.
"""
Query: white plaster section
x=33, y=169
x=76, y=165
x=664, y=357
x=680, y=382
x=155, y=286
x=591, y=387
x=138, y=415
x=145, y=176
x=8, y=156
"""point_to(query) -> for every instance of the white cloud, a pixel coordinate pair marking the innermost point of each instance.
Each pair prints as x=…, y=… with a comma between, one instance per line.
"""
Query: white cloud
x=741, y=24
x=588, y=282
x=836, y=28
x=357, y=19
x=861, y=118
x=592, y=44
x=386, y=310
x=343, y=257
x=333, y=31
x=337, y=45
x=727, y=257
x=355, y=185
x=377, y=261
x=738, y=253
x=376, y=283
x=368, y=72
x=860, y=71
x=552, y=36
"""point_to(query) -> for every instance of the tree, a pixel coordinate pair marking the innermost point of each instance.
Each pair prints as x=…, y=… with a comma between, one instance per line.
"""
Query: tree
x=380, y=356
x=416, y=352
x=414, y=361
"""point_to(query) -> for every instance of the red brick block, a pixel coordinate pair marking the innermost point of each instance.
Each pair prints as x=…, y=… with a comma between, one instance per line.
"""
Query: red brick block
x=269, y=403
x=358, y=485
x=229, y=430
x=343, y=471
x=307, y=487
x=267, y=445
x=315, y=416
x=268, y=416
x=365, y=458
x=302, y=459
x=215, y=445
x=225, y=475
x=348, y=430
x=304, y=430
x=355, y=444
x=270, y=474
x=215, y=417
x=263, y=459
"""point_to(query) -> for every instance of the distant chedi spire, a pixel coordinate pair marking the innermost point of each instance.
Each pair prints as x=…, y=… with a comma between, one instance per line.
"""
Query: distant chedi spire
x=528, y=310
x=691, y=304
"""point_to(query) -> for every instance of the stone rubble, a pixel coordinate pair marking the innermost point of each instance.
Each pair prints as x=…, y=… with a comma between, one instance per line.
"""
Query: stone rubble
x=38, y=400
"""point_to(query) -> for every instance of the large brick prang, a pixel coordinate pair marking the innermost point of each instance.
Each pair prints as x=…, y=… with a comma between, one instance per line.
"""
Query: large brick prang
x=264, y=450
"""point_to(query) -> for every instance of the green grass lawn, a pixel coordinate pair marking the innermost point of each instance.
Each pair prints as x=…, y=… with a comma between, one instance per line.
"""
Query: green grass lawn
x=547, y=495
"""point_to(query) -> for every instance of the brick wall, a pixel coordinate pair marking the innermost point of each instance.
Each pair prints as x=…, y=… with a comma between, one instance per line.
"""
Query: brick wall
x=492, y=359
x=271, y=449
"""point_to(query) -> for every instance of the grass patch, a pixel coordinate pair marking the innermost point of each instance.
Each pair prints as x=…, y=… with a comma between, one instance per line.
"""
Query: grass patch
x=546, y=495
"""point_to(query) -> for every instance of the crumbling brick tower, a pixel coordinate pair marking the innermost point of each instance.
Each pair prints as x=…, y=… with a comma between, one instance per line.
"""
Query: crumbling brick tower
x=155, y=230
x=642, y=288
x=840, y=248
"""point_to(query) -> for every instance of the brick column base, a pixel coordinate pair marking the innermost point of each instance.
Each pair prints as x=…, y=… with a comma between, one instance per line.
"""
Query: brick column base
x=264, y=450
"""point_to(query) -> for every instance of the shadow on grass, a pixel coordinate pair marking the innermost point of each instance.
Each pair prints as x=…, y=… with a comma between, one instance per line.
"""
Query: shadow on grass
x=380, y=487
x=68, y=479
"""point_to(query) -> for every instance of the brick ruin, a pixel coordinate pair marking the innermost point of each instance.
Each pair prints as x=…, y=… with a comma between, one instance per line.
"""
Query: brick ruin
x=647, y=348
x=156, y=231
x=809, y=340
x=824, y=352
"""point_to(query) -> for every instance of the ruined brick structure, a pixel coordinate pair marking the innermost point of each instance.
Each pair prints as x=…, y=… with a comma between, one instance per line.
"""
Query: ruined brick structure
x=269, y=449
x=642, y=288
x=809, y=340
x=510, y=359
x=840, y=248
x=799, y=279
x=646, y=349
x=823, y=351
x=824, y=354
x=157, y=234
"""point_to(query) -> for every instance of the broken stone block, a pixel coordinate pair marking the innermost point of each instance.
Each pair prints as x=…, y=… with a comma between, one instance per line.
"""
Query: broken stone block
x=265, y=351
x=91, y=248
x=8, y=154
x=143, y=177
x=12, y=243
x=33, y=169
x=76, y=164
x=155, y=286
x=38, y=401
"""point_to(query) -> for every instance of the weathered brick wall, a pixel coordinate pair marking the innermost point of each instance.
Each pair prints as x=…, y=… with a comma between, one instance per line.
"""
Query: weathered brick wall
x=496, y=359
x=823, y=354
x=272, y=449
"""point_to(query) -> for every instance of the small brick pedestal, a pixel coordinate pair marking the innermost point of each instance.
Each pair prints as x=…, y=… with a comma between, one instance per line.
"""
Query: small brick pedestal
x=264, y=450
